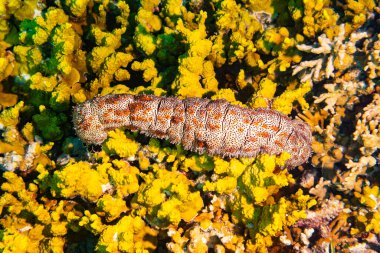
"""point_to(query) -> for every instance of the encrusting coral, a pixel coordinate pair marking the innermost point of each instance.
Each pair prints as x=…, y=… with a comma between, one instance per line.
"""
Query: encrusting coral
x=312, y=60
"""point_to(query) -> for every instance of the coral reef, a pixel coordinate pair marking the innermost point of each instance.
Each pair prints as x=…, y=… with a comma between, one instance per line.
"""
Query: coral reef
x=314, y=60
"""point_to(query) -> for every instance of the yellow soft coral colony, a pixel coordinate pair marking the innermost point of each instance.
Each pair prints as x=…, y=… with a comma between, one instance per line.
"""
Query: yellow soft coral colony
x=8, y=65
x=370, y=198
x=317, y=16
x=234, y=18
x=12, y=142
x=10, y=116
x=76, y=7
x=110, y=207
x=18, y=148
x=44, y=226
x=192, y=65
x=106, y=62
x=66, y=59
x=284, y=102
x=19, y=10
x=228, y=173
x=278, y=43
x=80, y=179
x=119, y=144
x=167, y=198
x=129, y=234
x=254, y=202
x=264, y=96
x=124, y=178
x=358, y=11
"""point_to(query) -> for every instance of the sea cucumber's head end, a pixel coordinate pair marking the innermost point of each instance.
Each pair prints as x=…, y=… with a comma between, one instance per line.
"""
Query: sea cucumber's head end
x=87, y=124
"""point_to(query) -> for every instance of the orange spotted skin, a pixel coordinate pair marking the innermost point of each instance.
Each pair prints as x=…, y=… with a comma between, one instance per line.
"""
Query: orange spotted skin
x=201, y=125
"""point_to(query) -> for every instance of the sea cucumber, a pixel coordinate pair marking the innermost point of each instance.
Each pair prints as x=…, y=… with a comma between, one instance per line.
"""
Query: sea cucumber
x=201, y=125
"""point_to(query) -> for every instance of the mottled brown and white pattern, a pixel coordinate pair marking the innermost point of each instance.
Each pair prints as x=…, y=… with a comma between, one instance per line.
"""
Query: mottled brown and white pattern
x=201, y=125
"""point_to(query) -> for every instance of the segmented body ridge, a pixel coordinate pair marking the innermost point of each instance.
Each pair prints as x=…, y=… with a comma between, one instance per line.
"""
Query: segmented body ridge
x=201, y=125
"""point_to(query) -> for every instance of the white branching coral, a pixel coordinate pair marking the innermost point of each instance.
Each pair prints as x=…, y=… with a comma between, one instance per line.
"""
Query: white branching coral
x=344, y=92
x=367, y=127
x=348, y=179
x=334, y=56
x=372, y=50
x=368, y=136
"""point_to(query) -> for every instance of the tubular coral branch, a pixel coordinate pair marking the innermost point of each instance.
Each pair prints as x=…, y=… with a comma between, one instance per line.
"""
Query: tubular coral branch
x=201, y=125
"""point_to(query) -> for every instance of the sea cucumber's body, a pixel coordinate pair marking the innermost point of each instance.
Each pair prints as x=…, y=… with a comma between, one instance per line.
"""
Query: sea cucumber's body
x=201, y=125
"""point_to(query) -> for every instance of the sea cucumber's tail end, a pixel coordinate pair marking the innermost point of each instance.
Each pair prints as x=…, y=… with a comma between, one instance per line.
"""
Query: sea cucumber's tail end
x=304, y=130
x=87, y=124
x=303, y=142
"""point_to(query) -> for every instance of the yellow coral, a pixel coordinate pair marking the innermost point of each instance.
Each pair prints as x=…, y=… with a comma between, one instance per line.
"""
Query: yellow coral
x=284, y=102
x=180, y=203
x=79, y=179
x=92, y=222
x=264, y=94
x=226, y=94
x=145, y=41
x=150, y=21
x=16, y=184
x=10, y=116
x=107, y=65
x=118, y=143
x=148, y=66
x=130, y=234
x=110, y=207
x=39, y=82
x=253, y=202
x=224, y=185
x=7, y=61
x=370, y=197
x=66, y=38
x=255, y=177
x=77, y=7
x=124, y=178
x=318, y=16
x=15, y=241
x=53, y=17
x=197, y=163
x=193, y=65
x=234, y=167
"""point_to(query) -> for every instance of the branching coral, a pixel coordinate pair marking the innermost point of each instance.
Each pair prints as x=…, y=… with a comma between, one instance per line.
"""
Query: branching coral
x=218, y=235
x=52, y=35
x=337, y=56
x=367, y=127
x=119, y=144
x=346, y=133
x=46, y=225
